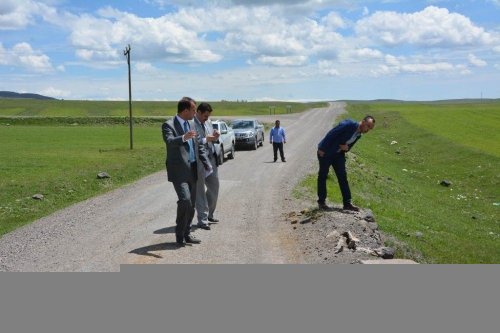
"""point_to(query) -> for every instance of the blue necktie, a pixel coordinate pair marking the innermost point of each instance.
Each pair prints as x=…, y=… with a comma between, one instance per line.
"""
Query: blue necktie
x=190, y=142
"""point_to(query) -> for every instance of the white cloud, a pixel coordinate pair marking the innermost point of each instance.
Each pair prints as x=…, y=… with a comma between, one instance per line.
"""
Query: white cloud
x=496, y=49
x=54, y=92
x=282, y=61
x=476, y=61
x=363, y=54
x=18, y=14
x=333, y=21
x=104, y=37
x=144, y=67
x=431, y=27
x=23, y=55
x=264, y=31
x=14, y=14
x=400, y=65
x=328, y=68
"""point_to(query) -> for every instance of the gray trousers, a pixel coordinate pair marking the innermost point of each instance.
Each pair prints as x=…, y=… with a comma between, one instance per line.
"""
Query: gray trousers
x=207, y=192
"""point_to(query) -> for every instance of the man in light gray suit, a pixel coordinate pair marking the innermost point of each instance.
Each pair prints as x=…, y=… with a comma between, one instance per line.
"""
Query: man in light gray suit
x=207, y=186
x=183, y=155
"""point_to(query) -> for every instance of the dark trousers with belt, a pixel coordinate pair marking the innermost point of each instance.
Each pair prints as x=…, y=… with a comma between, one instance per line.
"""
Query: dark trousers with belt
x=338, y=164
x=278, y=146
x=186, y=193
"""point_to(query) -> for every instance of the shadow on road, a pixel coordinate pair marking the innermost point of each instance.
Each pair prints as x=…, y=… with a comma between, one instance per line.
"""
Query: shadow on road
x=167, y=230
x=145, y=251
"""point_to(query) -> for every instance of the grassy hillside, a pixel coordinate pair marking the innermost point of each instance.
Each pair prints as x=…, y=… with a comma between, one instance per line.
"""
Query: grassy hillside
x=62, y=162
x=396, y=171
x=58, y=108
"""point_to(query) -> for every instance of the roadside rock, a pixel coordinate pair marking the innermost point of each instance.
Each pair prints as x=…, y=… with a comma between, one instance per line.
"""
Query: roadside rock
x=369, y=217
x=38, y=196
x=103, y=175
x=446, y=183
x=385, y=252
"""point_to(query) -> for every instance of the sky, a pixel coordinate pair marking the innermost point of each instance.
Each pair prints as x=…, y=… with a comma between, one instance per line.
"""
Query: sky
x=252, y=50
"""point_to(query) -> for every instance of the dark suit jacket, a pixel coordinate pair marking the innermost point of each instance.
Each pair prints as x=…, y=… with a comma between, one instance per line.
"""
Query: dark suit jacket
x=338, y=136
x=177, y=162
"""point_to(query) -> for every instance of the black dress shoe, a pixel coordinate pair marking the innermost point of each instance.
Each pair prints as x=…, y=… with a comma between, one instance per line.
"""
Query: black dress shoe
x=323, y=206
x=180, y=244
x=351, y=207
x=211, y=219
x=192, y=240
x=203, y=226
x=283, y=160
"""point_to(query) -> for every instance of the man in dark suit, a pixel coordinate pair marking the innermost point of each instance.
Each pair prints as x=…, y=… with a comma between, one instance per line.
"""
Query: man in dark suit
x=183, y=154
x=331, y=152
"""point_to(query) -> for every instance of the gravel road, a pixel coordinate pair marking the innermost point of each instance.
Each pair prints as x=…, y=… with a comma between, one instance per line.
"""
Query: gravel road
x=135, y=224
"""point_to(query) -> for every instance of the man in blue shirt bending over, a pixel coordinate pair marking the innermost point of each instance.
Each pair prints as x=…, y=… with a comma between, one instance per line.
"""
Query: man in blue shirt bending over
x=277, y=137
x=331, y=152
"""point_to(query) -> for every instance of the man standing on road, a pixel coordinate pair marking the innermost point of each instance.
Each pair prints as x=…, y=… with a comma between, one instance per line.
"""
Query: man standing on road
x=277, y=138
x=331, y=152
x=207, y=187
x=183, y=155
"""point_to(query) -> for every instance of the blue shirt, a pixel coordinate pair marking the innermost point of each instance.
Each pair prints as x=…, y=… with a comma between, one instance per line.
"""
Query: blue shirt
x=277, y=135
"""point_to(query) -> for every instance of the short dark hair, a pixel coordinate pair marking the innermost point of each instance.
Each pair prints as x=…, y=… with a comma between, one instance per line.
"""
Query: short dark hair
x=185, y=103
x=366, y=118
x=204, y=107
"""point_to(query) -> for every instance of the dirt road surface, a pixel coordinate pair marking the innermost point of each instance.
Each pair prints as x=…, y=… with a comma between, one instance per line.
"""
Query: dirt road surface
x=135, y=224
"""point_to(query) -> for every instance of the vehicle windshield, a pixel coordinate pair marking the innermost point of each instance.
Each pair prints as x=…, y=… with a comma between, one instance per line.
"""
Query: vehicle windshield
x=243, y=124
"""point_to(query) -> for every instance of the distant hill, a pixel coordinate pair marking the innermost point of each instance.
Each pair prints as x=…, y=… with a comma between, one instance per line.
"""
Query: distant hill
x=10, y=94
x=444, y=101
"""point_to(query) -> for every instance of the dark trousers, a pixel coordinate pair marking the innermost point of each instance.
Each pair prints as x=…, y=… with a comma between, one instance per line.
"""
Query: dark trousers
x=338, y=164
x=276, y=146
x=186, y=193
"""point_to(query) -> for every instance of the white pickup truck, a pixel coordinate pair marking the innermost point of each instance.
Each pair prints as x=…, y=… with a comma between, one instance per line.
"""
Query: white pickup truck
x=226, y=141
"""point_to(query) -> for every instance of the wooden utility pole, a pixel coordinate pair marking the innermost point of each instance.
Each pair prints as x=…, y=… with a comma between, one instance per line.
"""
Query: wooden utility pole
x=127, y=54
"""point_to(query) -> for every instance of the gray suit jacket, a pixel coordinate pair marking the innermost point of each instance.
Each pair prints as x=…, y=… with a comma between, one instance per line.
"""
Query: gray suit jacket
x=177, y=162
x=209, y=146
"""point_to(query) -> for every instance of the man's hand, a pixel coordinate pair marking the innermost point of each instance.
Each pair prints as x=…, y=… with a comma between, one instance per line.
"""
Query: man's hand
x=189, y=135
x=321, y=153
x=344, y=148
x=214, y=137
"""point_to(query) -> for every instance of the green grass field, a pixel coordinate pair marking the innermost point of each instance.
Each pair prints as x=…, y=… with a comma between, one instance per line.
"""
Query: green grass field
x=400, y=181
x=62, y=162
x=58, y=108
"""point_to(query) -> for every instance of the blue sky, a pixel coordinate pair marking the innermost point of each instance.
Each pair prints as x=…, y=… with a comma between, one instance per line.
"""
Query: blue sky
x=252, y=50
